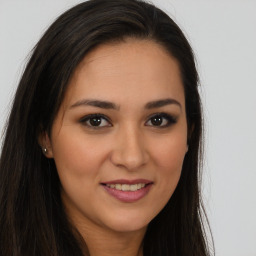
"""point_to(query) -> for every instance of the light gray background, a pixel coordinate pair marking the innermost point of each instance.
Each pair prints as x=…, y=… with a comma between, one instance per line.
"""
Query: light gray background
x=223, y=35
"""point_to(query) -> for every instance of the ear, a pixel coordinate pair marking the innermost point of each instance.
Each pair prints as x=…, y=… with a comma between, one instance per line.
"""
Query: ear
x=45, y=144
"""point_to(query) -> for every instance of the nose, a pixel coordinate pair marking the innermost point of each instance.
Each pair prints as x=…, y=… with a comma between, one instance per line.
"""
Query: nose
x=129, y=150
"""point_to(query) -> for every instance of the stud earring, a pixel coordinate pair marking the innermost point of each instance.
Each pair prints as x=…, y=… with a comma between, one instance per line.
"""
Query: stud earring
x=44, y=150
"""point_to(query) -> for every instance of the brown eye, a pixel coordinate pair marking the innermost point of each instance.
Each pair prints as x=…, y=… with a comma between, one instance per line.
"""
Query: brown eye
x=95, y=121
x=161, y=120
x=157, y=120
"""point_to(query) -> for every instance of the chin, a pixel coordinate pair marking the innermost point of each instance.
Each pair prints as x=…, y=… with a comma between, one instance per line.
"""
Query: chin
x=127, y=223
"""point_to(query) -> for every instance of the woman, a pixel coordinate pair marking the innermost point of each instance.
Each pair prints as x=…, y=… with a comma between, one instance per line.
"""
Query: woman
x=102, y=148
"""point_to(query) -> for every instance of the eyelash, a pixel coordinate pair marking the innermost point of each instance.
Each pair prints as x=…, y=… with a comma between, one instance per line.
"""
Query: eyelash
x=90, y=117
x=170, y=120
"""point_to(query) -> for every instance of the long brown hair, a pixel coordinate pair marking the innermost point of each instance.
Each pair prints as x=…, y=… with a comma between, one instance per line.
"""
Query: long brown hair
x=32, y=218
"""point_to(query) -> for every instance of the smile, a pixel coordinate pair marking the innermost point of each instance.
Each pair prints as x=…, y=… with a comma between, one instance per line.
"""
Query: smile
x=128, y=191
x=127, y=187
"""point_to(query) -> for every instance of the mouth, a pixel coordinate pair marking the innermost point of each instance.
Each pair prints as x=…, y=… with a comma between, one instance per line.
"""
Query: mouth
x=126, y=190
x=127, y=187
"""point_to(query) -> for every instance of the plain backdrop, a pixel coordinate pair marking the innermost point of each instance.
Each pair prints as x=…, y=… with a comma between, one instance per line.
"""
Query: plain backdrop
x=223, y=35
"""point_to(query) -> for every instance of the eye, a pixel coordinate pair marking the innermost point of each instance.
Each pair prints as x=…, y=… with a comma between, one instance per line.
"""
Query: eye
x=161, y=120
x=95, y=121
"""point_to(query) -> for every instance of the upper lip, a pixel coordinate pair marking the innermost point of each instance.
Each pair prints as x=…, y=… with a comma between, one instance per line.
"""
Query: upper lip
x=130, y=182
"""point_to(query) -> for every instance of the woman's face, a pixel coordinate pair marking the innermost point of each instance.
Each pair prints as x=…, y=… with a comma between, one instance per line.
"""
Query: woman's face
x=120, y=136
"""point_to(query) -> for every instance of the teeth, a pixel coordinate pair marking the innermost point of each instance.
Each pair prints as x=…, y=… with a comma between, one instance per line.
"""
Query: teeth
x=118, y=187
x=127, y=187
x=134, y=187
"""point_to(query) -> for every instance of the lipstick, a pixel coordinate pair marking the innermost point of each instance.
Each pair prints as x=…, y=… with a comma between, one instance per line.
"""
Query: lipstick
x=127, y=191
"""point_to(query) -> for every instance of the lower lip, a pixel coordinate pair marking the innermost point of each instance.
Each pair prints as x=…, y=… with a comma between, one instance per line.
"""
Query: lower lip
x=128, y=196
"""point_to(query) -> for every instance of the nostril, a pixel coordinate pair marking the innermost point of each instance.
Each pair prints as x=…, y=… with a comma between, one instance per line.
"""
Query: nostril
x=127, y=161
x=129, y=151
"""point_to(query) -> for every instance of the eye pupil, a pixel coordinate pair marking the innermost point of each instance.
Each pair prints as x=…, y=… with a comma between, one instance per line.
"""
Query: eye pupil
x=96, y=121
x=157, y=120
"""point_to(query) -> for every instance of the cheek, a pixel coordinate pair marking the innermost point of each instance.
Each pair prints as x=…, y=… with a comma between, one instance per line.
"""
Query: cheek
x=78, y=162
x=169, y=158
x=169, y=154
x=75, y=154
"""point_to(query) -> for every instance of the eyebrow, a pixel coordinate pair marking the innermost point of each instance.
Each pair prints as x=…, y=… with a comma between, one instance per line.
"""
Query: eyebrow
x=96, y=103
x=110, y=105
x=162, y=103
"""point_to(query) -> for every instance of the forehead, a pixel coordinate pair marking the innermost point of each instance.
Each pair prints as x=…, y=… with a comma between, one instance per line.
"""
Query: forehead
x=133, y=69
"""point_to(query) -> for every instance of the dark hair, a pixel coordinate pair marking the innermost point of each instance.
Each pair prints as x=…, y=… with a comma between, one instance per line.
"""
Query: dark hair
x=32, y=218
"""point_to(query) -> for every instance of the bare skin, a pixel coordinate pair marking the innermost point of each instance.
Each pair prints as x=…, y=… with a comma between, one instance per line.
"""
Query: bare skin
x=102, y=242
x=123, y=117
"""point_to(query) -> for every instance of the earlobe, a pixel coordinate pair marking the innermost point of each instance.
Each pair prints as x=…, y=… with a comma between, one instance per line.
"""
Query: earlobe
x=45, y=144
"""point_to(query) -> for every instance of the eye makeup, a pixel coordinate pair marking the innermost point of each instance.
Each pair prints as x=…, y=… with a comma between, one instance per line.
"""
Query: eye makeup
x=157, y=120
x=95, y=121
x=161, y=120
